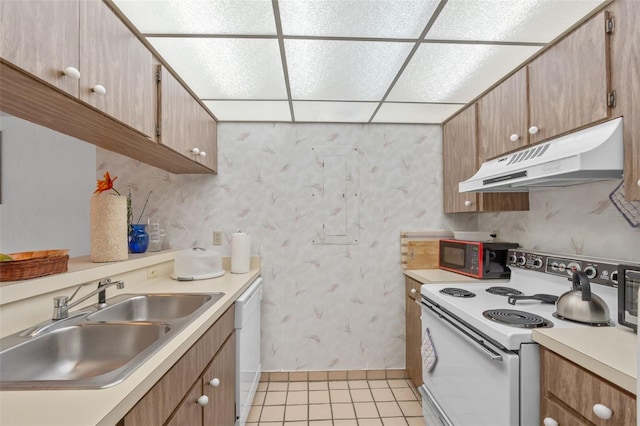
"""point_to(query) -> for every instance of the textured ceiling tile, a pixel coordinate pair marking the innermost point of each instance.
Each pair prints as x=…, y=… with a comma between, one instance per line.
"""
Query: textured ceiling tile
x=350, y=112
x=415, y=113
x=250, y=110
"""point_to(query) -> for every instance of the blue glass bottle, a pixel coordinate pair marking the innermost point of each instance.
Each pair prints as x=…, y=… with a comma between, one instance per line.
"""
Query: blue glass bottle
x=138, y=238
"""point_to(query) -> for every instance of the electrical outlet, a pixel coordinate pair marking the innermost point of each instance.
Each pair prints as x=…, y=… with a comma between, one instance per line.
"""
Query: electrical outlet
x=152, y=273
x=217, y=238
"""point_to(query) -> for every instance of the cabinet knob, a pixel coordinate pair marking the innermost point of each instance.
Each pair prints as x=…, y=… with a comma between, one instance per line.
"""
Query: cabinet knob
x=215, y=382
x=533, y=130
x=71, y=72
x=203, y=400
x=548, y=421
x=99, y=90
x=414, y=291
x=638, y=182
x=468, y=203
x=202, y=154
x=514, y=137
x=602, y=411
x=196, y=151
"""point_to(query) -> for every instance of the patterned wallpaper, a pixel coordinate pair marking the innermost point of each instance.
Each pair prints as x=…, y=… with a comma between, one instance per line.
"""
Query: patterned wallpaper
x=577, y=220
x=325, y=306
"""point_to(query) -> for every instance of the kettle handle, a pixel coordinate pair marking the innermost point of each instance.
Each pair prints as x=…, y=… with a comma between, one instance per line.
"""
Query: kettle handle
x=580, y=281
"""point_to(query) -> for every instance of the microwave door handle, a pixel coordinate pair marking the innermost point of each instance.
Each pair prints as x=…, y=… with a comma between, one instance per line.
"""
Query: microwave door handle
x=487, y=255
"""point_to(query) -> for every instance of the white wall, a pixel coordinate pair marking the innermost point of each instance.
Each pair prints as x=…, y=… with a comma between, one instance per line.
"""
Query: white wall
x=47, y=181
x=325, y=306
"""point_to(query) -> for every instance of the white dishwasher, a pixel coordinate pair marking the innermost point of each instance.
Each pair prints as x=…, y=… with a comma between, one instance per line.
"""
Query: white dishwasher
x=248, y=367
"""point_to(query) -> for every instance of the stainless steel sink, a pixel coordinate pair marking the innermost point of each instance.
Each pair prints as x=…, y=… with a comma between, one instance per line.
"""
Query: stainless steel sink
x=154, y=307
x=97, y=348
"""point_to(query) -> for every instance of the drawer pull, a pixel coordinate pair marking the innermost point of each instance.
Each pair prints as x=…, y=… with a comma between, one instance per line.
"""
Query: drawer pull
x=203, y=400
x=548, y=421
x=414, y=291
x=602, y=411
x=215, y=382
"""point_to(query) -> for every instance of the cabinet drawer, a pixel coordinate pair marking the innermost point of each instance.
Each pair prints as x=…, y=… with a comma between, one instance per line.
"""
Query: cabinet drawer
x=580, y=389
x=413, y=288
x=552, y=410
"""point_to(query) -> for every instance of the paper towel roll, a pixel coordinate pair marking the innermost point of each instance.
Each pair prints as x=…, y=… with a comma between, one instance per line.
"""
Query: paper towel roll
x=240, y=253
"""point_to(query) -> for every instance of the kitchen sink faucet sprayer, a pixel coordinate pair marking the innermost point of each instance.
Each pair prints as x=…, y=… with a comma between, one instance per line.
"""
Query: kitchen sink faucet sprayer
x=61, y=306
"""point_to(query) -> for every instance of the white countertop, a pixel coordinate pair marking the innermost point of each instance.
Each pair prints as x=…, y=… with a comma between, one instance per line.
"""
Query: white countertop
x=430, y=276
x=609, y=352
x=108, y=406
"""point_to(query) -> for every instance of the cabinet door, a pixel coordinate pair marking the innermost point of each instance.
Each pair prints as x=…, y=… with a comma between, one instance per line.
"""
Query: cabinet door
x=219, y=382
x=625, y=80
x=460, y=155
x=189, y=412
x=41, y=37
x=112, y=56
x=503, y=115
x=413, y=329
x=184, y=124
x=568, y=84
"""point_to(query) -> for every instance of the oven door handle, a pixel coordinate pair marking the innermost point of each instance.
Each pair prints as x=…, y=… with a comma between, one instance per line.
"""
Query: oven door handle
x=476, y=342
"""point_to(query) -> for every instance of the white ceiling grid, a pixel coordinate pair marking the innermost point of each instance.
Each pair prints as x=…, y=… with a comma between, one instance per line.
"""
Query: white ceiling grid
x=357, y=61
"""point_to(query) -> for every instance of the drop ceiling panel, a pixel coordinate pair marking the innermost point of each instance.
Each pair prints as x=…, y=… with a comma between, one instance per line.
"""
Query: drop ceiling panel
x=200, y=16
x=226, y=68
x=346, y=112
x=250, y=110
x=456, y=73
x=343, y=70
x=414, y=113
x=349, y=18
x=522, y=20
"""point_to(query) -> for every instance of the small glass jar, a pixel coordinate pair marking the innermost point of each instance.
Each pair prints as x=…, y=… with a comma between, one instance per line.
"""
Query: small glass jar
x=138, y=238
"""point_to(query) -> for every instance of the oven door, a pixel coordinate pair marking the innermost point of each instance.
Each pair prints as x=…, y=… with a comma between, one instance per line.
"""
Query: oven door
x=472, y=381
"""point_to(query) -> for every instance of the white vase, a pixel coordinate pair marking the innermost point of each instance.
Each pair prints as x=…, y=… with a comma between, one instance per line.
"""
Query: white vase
x=109, y=241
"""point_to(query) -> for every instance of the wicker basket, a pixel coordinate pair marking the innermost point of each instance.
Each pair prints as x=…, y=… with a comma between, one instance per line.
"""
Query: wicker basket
x=33, y=264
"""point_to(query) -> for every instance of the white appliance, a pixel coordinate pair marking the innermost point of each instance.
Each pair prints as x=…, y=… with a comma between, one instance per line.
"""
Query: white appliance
x=248, y=366
x=480, y=372
x=589, y=155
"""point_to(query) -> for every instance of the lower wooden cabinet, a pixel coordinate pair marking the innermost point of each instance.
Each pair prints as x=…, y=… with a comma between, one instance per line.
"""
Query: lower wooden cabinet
x=174, y=399
x=570, y=393
x=413, y=355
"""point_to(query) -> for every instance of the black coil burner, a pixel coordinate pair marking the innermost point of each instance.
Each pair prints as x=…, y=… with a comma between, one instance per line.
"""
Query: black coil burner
x=457, y=292
x=517, y=318
x=504, y=291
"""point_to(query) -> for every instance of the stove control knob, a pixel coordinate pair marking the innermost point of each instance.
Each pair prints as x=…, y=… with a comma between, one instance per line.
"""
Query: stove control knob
x=572, y=267
x=512, y=259
x=591, y=272
x=614, y=277
x=521, y=261
x=554, y=266
x=537, y=263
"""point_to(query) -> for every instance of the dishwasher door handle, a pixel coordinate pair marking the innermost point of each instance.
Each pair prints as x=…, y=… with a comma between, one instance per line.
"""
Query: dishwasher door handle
x=464, y=333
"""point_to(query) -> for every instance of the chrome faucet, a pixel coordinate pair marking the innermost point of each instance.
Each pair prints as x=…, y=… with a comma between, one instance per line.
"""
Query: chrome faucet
x=61, y=306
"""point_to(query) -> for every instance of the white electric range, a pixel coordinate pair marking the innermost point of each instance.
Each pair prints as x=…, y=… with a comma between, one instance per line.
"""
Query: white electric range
x=479, y=371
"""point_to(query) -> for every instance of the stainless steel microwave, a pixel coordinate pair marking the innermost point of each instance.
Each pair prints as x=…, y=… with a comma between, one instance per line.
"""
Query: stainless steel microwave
x=628, y=286
x=475, y=258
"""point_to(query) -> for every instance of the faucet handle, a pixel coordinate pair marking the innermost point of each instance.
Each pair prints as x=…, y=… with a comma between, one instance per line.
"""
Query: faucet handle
x=60, y=301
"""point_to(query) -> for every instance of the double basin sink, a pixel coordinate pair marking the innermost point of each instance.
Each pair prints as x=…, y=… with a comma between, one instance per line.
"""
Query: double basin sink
x=97, y=348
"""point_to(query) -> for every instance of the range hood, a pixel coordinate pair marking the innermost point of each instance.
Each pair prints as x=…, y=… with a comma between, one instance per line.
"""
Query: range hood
x=588, y=155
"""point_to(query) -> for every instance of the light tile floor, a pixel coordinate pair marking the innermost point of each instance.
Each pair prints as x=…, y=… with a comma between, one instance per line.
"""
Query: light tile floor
x=390, y=402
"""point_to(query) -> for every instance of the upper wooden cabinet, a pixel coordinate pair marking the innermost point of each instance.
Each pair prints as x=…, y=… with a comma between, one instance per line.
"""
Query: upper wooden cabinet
x=112, y=57
x=42, y=37
x=569, y=83
x=185, y=126
x=503, y=117
x=625, y=80
x=460, y=162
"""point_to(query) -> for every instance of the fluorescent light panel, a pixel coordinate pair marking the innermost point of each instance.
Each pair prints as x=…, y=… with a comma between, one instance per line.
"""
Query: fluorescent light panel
x=356, y=18
x=414, y=113
x=520, y=21
x=347, y=112
x=252, y=17
x=226, y=68
x=250, y=110
x=343, y=70
x=456, y=73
